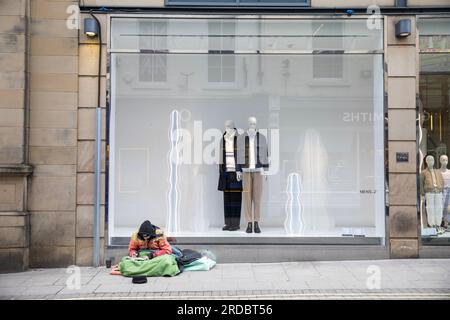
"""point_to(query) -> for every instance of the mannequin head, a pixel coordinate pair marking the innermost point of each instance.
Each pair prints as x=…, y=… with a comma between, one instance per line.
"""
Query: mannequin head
x=430, y=162
x=444, y=161
x=252, y=123
x=229, y=125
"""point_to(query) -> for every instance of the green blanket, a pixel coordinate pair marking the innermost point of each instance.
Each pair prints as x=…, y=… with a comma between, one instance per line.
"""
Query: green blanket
x=164, y=265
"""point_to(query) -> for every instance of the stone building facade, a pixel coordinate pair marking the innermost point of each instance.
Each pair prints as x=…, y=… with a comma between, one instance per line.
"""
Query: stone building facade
x=48, y=97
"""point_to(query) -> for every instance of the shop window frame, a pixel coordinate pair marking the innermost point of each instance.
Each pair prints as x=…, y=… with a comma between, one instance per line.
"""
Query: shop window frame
x=378, y=242
x=424, y=240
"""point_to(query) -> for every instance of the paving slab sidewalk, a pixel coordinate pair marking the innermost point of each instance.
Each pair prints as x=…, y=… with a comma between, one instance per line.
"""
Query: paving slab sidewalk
x=368, y=279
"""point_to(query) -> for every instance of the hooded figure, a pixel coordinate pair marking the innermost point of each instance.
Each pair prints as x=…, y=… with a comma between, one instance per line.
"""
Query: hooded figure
x=149, y=237
x=147, y=229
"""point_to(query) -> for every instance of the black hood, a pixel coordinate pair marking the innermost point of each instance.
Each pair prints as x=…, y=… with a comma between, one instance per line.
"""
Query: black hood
x=147, y=227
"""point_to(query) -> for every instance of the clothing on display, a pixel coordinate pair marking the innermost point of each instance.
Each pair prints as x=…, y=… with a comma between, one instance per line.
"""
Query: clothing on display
x=446, y=199
x=253, y=152
x=230, y=160
x=446, y=178
x=446, y=191
x=228, y=181
x=432, y=181
x=232, y=202
x=253, y=159
x=434, y=208
x=432, y=185
x=252, y=195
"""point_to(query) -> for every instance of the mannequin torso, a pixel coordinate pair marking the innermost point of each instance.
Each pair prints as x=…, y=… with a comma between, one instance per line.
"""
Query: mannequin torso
x=446, y=176
x=229, y=150
x=432, y=180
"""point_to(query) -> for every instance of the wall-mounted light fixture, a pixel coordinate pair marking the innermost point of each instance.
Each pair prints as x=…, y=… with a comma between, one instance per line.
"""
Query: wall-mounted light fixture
x=403, y=28
x=90, y=27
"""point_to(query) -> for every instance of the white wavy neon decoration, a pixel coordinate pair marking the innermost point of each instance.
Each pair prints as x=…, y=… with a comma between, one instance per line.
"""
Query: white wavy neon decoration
x=294, y=224
x=420, y=141
x=172, y=225
x=420, y=166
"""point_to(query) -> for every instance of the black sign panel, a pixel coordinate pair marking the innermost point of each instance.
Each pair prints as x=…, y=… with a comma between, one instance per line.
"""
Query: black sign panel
x=402, y=157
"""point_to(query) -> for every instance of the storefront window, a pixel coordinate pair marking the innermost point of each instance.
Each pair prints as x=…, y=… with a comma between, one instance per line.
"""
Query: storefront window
x=152, y=68
x=434, y=130
x=306, y=158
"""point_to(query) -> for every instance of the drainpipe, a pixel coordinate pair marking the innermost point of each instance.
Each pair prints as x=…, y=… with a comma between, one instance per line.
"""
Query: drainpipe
x=98, y=156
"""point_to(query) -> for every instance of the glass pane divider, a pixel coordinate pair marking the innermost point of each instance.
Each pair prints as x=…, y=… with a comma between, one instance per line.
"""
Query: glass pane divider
x=434, y=51
x=244, y=16
x=263, y=52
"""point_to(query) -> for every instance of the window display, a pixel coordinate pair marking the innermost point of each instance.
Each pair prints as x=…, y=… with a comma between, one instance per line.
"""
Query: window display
x=434, y=128
x=252, y=164
x=241, y=137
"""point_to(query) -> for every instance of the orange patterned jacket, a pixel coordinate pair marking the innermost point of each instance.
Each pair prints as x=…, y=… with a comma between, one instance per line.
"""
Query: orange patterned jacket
x=159, y=244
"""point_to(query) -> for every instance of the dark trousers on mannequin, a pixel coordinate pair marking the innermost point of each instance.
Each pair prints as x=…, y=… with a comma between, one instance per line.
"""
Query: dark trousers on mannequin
x=232, y=201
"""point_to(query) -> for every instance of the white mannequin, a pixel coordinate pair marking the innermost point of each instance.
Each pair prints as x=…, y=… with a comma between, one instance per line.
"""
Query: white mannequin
x=232, y=196
x=251, y=132
x=430, y=162
x=446, y=194
x=229, y=128
x=252, y=124
x=434, y=202
x=253, y=147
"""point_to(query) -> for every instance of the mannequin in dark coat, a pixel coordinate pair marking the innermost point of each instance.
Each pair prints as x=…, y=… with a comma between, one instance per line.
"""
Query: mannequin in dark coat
x=228, y=180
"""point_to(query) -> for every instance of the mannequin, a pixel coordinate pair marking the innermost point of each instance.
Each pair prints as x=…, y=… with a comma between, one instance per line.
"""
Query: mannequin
x=446, y=194
x=228, y=182
x=253, y=163
x=432, y=185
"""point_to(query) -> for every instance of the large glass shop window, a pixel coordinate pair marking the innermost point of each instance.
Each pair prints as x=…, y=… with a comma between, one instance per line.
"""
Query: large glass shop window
x=434, y=129
x=219, y=122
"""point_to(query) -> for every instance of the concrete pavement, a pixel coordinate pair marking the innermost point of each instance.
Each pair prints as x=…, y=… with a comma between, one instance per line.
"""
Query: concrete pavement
x=378, y=279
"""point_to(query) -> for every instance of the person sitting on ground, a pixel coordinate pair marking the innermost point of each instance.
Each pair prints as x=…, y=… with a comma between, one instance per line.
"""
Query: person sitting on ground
x=149, y=237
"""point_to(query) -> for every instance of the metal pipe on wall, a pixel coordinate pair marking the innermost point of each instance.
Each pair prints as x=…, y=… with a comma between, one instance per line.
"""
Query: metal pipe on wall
x=98, y=156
